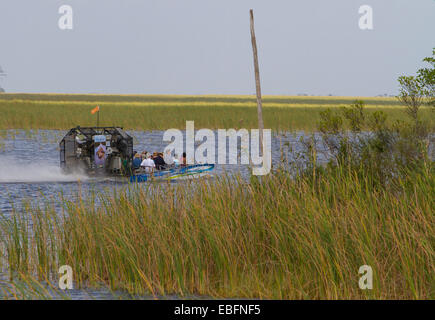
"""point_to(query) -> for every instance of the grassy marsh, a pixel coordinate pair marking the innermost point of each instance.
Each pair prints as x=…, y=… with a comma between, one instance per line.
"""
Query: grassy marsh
x=283, y=238
x=161, y=112
x=280, y=236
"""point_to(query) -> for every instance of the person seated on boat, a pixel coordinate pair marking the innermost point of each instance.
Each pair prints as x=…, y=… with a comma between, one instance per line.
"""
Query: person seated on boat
x=148, y=164
x=137, y=160
x=143, y=155
x=183, y=160
x=158, y=161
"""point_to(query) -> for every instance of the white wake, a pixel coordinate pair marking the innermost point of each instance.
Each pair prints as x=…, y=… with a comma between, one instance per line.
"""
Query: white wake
x=12, y=171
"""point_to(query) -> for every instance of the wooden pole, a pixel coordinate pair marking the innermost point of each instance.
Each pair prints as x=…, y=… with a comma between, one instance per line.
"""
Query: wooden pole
x=257, y=82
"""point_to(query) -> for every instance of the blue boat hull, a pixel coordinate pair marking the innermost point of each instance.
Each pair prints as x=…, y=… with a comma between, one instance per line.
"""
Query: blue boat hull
x=174, y=173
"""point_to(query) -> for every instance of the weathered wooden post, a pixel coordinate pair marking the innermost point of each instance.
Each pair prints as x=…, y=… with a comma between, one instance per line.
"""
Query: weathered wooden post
x=257, y=82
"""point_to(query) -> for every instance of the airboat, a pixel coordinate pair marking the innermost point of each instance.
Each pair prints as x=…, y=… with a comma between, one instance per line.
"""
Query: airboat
x=108, y=152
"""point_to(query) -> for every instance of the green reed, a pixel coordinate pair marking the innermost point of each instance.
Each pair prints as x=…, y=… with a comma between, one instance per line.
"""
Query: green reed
x=276, y=237
x=164, y=112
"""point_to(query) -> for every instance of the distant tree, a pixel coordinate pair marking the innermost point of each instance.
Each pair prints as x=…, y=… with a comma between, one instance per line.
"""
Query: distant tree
x=426, y=76
x=411, y=94
x=417, y=90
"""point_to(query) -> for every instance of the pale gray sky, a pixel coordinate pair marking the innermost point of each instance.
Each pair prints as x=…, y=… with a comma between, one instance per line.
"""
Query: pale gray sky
x=203, y=47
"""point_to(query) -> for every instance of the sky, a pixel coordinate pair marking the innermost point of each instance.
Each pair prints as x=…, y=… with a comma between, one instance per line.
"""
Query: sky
x=314, y=47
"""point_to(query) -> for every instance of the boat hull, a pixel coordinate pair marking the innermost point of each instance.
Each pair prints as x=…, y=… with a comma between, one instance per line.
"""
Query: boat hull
x=178, y=173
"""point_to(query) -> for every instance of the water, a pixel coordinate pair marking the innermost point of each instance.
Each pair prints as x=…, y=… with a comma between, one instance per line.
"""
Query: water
x=29, y=165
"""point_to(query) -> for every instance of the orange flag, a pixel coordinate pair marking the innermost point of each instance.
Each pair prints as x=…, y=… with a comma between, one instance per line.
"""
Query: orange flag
x=96, y=109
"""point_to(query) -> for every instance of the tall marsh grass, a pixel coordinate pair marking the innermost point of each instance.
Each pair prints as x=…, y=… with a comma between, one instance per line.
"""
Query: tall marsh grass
x=279, y=237
x=167, y=98
x=20, y=111
x=293, y=234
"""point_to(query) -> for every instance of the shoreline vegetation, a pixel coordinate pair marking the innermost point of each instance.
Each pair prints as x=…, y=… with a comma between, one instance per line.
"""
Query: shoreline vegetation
x=297, y=233
x=161, y=112
x=278, y=238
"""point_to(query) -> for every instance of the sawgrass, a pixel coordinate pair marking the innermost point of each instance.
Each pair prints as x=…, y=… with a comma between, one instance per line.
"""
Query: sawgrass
x=151, y=112
x=27, y=287
x=196, y=98
x=279, y=237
